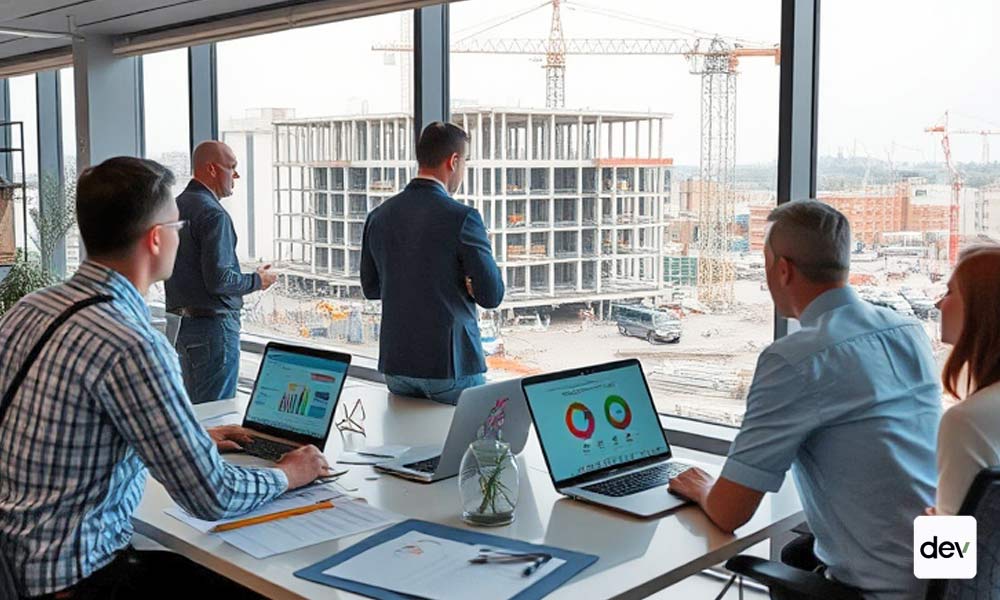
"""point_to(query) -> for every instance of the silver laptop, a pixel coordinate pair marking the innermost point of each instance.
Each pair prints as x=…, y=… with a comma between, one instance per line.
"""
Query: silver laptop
x=433, y=463
x=293, y=398
x=602, y=439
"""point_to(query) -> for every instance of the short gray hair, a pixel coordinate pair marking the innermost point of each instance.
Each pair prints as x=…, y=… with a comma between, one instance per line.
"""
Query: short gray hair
x=813, y=236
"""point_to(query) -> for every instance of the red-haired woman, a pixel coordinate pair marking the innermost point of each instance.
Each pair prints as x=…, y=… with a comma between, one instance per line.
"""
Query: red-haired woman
x=969, y=437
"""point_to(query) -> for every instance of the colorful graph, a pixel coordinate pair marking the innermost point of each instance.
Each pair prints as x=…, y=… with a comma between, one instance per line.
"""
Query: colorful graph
x=583, y=430
x=617, y=411
x=295, y=400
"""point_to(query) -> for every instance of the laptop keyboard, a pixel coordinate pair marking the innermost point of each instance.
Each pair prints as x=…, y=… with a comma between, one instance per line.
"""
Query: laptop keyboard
x=638, y=481
x=425, y=466
x=267, y=449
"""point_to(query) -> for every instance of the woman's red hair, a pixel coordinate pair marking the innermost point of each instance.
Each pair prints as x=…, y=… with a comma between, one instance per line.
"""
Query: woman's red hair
x=977, y=350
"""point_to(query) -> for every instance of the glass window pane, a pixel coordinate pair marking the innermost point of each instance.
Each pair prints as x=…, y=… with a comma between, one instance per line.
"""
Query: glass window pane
x=320, y=143
x=882, y=156
x=600, y=201
x=165, y=101
x=24, y=110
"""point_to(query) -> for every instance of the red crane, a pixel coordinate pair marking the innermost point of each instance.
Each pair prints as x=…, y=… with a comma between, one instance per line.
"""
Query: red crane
x=956, y=188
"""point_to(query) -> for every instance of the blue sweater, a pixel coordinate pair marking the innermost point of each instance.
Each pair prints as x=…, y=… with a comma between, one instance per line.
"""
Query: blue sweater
x=418, y=248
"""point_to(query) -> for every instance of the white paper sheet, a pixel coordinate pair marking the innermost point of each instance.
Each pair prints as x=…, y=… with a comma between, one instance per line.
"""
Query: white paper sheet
x=437, y=568
x=289, y=500
x=348, y=517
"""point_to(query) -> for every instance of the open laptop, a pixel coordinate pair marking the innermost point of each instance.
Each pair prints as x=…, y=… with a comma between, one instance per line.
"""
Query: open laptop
x=433, y=463
x=602, y=439
x=293, y=398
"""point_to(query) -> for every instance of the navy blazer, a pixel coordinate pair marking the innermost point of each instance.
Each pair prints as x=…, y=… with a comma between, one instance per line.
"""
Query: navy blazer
x=417, y=250
x=207, y=273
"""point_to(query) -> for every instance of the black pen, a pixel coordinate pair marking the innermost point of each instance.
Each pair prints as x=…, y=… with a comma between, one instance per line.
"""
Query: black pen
x=530, y=569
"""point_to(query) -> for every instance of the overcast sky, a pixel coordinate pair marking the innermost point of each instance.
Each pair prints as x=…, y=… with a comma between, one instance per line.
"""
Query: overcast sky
x=888, y=69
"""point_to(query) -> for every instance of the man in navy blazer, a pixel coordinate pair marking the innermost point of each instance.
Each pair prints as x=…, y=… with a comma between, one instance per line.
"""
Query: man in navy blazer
x=429, y=261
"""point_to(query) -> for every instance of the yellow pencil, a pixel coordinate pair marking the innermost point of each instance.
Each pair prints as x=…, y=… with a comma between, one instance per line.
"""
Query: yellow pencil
x=321, y=505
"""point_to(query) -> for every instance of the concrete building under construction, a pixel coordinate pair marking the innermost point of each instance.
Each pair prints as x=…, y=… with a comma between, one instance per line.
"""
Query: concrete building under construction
x=575, y=202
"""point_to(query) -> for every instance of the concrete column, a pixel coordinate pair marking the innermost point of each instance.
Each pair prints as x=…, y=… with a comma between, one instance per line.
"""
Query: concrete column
x=108, y=96
x=51, y=181
x=529, y=140
x=503, y=137
x=431, y=53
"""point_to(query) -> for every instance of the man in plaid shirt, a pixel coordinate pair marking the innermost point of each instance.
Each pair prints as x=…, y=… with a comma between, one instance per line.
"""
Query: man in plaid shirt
x=105, y=402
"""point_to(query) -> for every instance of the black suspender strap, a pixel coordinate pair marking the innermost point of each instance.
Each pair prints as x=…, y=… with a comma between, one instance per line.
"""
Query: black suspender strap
x=8, y=396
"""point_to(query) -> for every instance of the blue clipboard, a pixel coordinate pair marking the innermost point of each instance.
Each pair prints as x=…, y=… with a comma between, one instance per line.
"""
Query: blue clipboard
x=575, y=561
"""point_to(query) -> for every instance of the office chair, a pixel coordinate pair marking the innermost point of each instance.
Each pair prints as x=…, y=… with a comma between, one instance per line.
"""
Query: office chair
x=982, y=502
x=785, y=582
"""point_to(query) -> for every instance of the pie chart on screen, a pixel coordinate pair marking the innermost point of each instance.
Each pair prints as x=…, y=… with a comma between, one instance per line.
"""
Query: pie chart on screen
x=580, y=421
x=617, y=412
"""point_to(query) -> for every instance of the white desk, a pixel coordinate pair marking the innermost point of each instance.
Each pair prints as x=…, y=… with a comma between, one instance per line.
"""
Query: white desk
x=637, y=557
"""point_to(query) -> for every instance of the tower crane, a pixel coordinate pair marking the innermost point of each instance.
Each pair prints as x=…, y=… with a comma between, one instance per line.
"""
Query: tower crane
x=984, y=133
x=956, y=187
x=714, y=58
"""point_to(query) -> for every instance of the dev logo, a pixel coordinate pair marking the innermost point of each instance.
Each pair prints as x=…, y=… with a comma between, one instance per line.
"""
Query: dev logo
x=944, y=547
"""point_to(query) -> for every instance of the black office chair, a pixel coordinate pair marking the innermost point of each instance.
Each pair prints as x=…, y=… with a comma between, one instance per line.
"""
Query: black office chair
x=785, y=582
x=982, y=502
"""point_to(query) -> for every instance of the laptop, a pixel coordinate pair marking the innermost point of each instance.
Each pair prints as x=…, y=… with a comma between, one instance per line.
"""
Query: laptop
x=602, y=439
x=433, y=463
x=293, y=399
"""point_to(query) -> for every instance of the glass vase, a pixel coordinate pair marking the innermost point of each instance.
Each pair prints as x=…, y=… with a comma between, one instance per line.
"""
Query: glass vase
x=488, y=483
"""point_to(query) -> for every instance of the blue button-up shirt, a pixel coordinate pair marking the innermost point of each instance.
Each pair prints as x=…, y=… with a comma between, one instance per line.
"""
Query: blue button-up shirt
x=103, y=403
x=851, y=402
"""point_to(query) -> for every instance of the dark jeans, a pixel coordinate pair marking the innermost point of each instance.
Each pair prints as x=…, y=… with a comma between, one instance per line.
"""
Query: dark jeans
x=135, y=574
x=445, y=391
x=209, y=351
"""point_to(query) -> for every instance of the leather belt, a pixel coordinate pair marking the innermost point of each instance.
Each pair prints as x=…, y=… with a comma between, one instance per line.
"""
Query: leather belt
x=191, y=311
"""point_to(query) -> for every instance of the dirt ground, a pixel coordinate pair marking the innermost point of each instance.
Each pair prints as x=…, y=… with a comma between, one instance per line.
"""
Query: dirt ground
x=706, y=375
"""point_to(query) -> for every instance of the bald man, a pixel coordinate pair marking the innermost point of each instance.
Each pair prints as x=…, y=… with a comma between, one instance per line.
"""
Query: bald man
x=207, y=287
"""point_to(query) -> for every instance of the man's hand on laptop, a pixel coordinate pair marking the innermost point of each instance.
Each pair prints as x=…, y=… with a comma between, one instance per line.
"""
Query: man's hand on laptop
x=303, y=465
x=692, y=484
x=228, y=438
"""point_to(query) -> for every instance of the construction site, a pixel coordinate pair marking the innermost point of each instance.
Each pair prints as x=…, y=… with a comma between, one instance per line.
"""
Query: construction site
x=575, y=209
x=584, y=210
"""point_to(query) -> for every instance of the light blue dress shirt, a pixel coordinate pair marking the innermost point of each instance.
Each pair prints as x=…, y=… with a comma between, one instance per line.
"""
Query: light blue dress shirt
x=851, y=402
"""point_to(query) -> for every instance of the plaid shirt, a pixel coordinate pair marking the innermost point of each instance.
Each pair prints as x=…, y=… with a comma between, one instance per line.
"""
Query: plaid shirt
x=103, y=402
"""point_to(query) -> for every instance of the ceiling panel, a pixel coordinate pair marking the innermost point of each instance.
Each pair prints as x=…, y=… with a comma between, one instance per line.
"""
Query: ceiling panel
x=114, y=17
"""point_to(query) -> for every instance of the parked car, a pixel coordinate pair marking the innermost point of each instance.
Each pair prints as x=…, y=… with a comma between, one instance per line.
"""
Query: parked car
x=922, y=306
x=648, y=323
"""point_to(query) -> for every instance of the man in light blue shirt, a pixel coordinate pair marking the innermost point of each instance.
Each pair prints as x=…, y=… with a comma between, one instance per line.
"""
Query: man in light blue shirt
x=850, y=402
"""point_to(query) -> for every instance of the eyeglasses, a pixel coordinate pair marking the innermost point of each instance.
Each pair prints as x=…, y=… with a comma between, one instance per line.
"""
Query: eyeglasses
x=352, y=421
x=178, y=225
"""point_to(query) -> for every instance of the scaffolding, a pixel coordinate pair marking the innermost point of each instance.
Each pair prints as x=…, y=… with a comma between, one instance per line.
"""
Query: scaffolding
x=10, y=189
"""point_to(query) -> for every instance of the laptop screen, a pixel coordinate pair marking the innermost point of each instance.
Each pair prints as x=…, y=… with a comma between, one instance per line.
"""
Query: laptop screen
x=596, y=420
x=296, y=392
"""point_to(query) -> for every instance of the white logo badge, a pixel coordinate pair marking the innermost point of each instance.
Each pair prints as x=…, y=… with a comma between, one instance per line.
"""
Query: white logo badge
x=944, y=547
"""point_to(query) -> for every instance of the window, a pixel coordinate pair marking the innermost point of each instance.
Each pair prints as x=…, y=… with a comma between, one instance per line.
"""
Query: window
x=166, y=116
x=612, y=178
x=24, y=109
x=880, y=166
x=322, y=128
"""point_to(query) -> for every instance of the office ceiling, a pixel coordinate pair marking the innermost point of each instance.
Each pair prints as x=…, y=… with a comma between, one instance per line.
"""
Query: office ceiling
x=128, y=17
